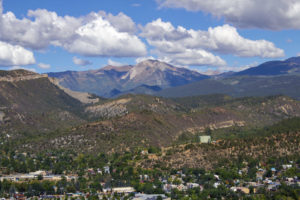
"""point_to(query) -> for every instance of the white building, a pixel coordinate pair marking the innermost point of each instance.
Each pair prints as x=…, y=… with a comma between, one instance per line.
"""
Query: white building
x=205, y=139
x=123, y=190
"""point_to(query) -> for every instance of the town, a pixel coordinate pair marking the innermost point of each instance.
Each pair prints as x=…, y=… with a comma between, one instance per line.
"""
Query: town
x=119, y=178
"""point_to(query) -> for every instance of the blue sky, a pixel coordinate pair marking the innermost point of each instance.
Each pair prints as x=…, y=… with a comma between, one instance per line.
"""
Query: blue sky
x=221, y=38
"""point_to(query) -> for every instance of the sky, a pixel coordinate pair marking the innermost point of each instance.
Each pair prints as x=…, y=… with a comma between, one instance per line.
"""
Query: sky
x=208, y=36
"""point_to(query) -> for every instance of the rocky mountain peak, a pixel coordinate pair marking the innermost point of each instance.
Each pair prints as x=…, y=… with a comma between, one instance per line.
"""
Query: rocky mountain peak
x=147, y=68
x=155, y=64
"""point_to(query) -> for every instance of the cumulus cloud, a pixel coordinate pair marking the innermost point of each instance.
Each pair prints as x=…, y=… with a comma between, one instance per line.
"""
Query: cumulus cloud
x=44, y=66
x=192, y=57
x=183, y=46
x=81, y=62
x=1, y=7
x=100, y=38
x=226, y=39
x=45, y=29
x=13, y=55
x=121, y=22
x=269, y=14
x=97, y=34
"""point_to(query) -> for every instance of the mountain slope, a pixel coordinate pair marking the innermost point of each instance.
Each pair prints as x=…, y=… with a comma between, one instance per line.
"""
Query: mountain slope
x=143, y=78
x=239, y=86
x=137, y=121
x=29, y=102
x=100, y=82
x=289, y=66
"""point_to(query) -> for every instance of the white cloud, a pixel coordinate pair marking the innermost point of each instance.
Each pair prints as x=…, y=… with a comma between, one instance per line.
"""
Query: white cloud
x=81, y=62
x=45, y=29
x=226, y=39
x=192, y=57
x=97, y=34
x=141, y=59
x=44, y=66
x=267, y=14
x=115, y=63
x=121, y=22
x=222, y=39
x=100, y=38
x=298, y=54
x=1, y=7
x=12, y=55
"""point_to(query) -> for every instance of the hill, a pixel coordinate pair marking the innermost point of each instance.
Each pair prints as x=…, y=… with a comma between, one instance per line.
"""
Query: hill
x=29, y=102
x=37, y=114
x=280, y=141
x=239, y=86
x=139, y=121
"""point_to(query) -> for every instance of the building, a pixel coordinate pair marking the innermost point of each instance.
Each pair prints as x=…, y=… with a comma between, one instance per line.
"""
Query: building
x=19, y=196
x=149, y=196
x=123, y=190
x=205, y=139
x=106, y=170
x=241, y=189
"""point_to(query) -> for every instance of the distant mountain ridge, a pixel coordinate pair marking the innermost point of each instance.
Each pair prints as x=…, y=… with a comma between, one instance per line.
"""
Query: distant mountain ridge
x=159, y=78
x=273, y=68
x=145, y=78
x=270, y=78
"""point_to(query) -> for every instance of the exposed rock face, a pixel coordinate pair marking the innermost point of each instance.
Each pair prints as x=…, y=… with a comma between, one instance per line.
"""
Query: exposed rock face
x=20, y=75
x=83, y=97
x=217, y=125
x=111, y=109
x=2, y=116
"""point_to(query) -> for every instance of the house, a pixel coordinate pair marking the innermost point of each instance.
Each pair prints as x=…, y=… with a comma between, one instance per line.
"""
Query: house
x=285, y=167
x=260, y=174
x=91, y=171
x=205, y=139
x=148, y=196
x=192, y=185
x=106, y=170
x=182, y=187
x=241, y=189
x=123, y=190
x=37, y=173
x=217, y=177
x=19, y=196
x=144, y=177
x=217, y=184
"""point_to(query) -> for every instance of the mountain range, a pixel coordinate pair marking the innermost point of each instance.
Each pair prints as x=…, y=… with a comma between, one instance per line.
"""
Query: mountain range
x=161, y=79
x=270, y=78
x=146, y=77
